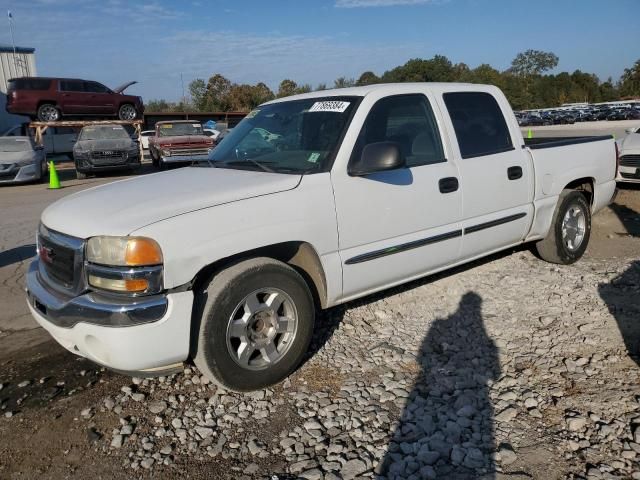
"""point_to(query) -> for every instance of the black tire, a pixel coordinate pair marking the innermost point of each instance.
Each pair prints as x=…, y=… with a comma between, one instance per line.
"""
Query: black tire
x=48, y=112
x=215, y=307
x=553, y=248
x=127, y=112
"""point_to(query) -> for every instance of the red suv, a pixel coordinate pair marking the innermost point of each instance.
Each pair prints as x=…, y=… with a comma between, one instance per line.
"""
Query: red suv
x=48, y=99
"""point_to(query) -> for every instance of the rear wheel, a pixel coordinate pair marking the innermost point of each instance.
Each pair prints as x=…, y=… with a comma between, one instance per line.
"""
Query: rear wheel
x=127, y=112
x=47, y=112
x=570, y=230
x=256, y=324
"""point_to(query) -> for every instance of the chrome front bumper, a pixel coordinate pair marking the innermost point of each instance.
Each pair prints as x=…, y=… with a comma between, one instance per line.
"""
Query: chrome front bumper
x=93, y=308
x=184, y=158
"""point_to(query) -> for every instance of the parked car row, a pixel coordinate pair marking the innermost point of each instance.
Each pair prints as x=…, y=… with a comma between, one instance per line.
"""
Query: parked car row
x=569, y=116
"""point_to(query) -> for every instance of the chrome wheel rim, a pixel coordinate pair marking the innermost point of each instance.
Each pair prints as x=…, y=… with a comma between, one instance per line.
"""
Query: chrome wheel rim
x=127, y=112
x=48, y=113
x=262, y=329
x=573, y=228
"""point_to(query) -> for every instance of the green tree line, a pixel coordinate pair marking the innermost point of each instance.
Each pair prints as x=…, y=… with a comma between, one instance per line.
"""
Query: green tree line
x=526, y=84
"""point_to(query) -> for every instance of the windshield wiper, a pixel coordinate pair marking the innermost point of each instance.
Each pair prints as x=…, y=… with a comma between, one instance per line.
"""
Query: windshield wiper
x=261, y=165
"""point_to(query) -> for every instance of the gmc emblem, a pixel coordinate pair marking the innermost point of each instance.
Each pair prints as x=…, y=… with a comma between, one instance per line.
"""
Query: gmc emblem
x=47, y=254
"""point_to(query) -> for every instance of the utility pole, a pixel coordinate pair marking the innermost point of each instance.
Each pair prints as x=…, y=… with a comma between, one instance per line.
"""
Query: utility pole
x=15, y=57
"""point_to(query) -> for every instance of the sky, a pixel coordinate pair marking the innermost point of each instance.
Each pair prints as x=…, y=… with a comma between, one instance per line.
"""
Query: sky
x=163, y=44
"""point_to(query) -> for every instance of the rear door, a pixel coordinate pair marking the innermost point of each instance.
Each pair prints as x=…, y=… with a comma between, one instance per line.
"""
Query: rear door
x=73, y=97
x=99, y=98
x=496, y=174
x=398, y=224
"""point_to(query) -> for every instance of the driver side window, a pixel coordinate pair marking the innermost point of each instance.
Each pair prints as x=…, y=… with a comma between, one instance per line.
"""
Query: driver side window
x=408, y=121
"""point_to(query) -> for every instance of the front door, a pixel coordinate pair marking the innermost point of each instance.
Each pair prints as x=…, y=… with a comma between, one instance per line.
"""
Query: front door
x=99, y=99
x=403, y=223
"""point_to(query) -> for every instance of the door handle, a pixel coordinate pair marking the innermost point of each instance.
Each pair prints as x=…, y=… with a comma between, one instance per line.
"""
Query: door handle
x=448, y=184
x=514, y=173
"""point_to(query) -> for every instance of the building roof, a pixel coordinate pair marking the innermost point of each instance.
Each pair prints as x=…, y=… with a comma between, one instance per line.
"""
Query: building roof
x=6, y=48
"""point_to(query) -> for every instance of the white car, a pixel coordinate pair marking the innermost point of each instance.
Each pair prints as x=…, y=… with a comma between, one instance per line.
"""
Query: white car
x=629, y=157
x=357, y=190
x=144, y=138
x=211, y=132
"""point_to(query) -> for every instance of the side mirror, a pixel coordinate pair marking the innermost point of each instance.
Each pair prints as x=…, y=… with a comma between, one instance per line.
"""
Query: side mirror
x=378, y=157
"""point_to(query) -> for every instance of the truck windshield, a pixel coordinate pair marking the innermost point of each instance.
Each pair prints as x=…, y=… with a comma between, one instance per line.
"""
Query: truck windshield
x=107, y=132
x=296, y=136
x=179, y=129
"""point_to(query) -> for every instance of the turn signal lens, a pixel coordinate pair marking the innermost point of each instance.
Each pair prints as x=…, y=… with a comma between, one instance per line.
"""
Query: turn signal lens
x=142, y=251
x=131, y=286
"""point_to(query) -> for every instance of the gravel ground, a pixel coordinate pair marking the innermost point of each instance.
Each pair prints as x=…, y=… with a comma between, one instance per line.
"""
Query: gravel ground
x=506, y=368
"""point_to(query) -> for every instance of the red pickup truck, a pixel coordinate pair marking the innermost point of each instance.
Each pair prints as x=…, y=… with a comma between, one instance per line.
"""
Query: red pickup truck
x=179, y=141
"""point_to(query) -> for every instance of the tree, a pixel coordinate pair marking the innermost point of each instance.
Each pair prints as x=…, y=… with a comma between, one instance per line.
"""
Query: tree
x=533, y=62
x=306, y=88
x=217, y=93
x=368, y=78
x=287, y=88
x=343, y=82
x=261, y=94
x=630, y=81
x=157, y=106
x=321, y=86
x=198, y=91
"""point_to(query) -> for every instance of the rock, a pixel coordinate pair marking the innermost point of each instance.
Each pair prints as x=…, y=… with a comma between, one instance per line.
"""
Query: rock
x=204, y=432
x=93, y=435
x=116, y=441
x=251, y=469
x=86, y=413
x=507, y=415
x=506, y=454
x=24, y=383
x=576, y=424
x=157, y=407
x=166, y=450
x=147, y=463
x=109, y=403
x=313, y=474
x=138, y=397
x=353, y=468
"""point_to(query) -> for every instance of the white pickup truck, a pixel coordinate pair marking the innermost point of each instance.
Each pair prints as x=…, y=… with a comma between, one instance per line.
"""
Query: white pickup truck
x=348, y=192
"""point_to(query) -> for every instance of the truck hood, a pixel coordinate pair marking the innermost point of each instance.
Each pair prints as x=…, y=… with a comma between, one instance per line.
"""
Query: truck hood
x=122, y=207
x=183, y=140
x=124, y=86
x=630, y=144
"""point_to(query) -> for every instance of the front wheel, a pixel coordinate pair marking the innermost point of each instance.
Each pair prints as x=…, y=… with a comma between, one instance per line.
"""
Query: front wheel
x=256, y=322
x=570, y=230
x=48, y=112
x=127, y=112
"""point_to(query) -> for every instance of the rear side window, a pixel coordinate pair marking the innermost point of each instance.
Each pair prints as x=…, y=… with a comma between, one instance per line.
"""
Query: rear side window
x=29, y=84
x=479, y=123
x=72, y=85
x=408, y=121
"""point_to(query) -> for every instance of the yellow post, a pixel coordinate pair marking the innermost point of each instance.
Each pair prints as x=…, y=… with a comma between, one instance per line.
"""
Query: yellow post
x=54, y=182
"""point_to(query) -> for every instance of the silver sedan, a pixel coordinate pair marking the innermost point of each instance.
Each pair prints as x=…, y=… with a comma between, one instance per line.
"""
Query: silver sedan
x=21, y=160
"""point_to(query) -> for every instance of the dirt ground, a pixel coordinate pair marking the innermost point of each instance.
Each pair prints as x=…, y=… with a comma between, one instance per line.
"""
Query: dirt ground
x=46, y=437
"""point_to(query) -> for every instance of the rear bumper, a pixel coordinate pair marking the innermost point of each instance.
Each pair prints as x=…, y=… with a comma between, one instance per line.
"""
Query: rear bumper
x=144, y=334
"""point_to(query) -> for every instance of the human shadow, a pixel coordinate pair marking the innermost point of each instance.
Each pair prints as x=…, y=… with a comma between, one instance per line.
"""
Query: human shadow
x=17, y=254
x=629, y=218
x=622, y=296
x=446, y=429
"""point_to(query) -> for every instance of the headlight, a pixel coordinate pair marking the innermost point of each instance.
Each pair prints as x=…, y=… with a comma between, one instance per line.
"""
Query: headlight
x=124, y=251
x=124, y=264
x=166, y=153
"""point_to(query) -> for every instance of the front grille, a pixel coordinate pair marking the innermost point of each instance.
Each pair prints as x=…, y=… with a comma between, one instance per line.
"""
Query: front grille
x=108, y=157
x=189, y=151
x=630, y=161
x=58, y=261
x=61, y=258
